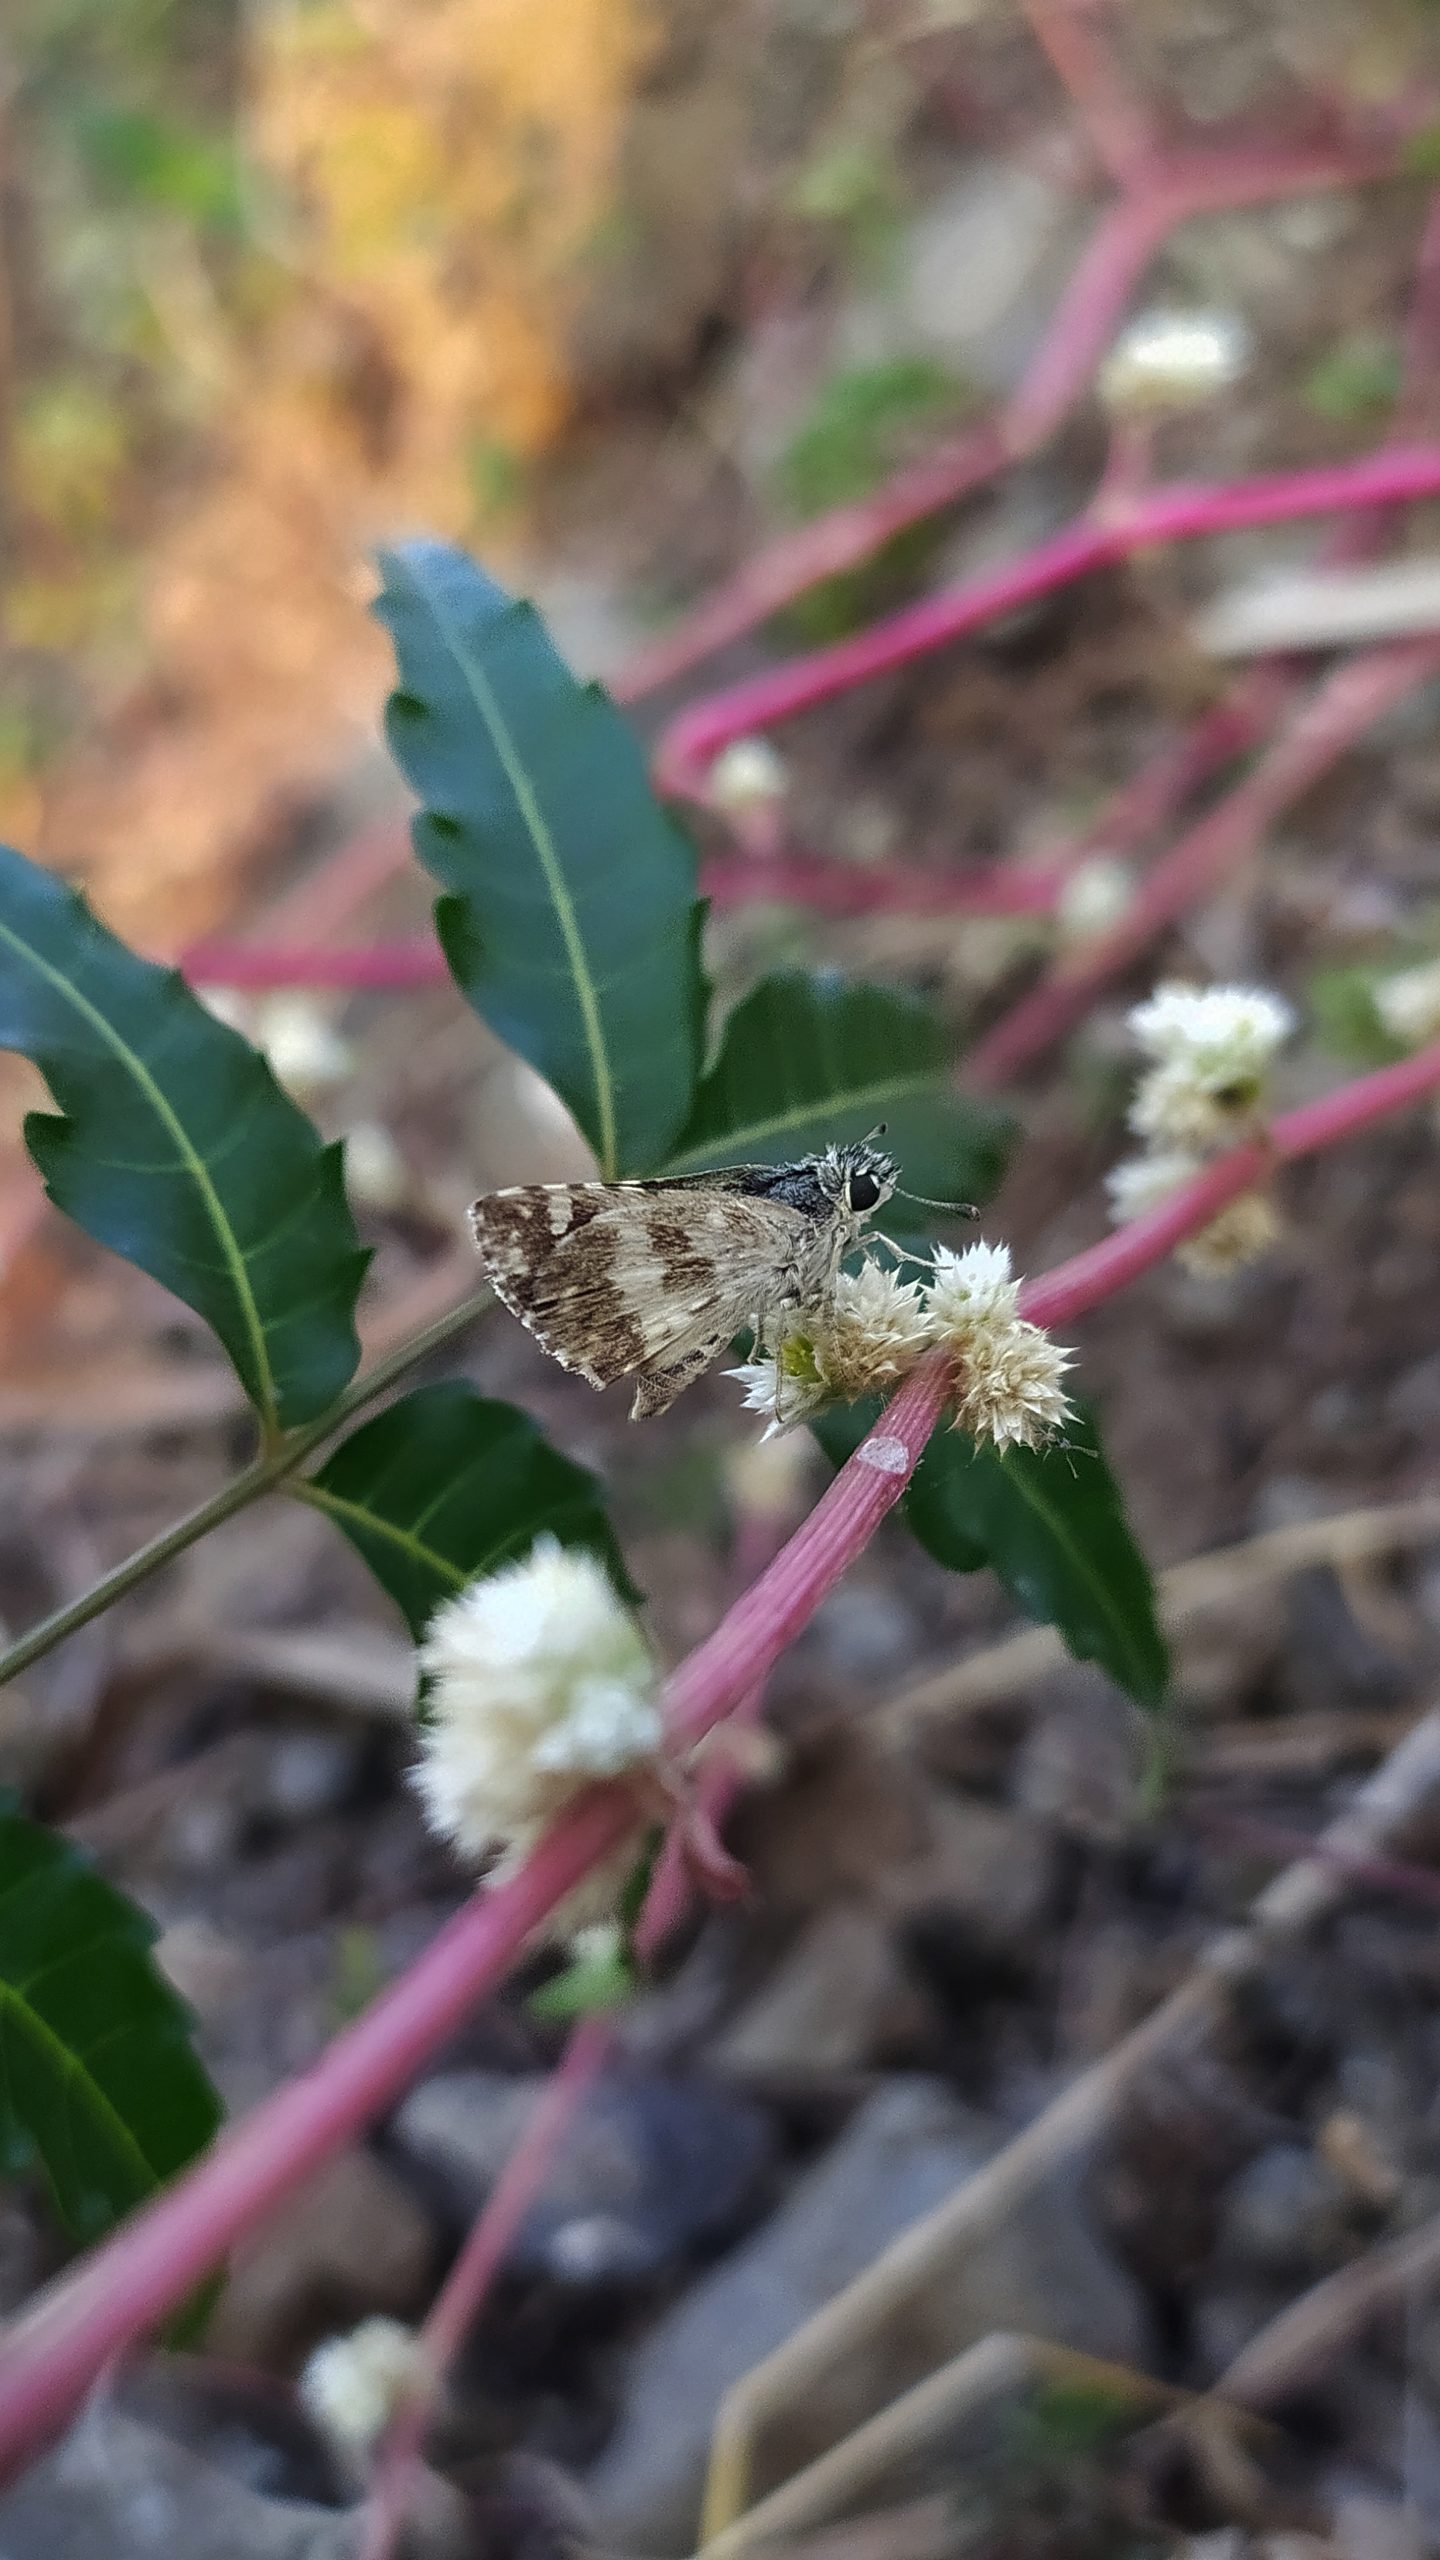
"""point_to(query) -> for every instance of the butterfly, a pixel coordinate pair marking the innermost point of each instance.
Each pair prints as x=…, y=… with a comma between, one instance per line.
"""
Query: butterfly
x=651, y=1280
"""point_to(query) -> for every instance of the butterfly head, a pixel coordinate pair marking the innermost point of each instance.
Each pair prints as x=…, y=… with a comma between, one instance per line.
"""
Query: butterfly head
x=857, y=1178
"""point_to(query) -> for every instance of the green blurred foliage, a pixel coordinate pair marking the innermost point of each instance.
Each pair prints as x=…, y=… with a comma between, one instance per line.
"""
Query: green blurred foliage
x=1355, y=382
x=866, y=421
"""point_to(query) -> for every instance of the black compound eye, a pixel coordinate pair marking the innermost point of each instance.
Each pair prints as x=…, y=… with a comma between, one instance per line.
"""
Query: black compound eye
x=864, y=1190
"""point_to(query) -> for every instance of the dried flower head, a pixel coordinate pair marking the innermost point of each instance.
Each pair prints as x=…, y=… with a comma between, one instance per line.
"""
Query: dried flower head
x=874, y=1330
x=1409, y=1004
x=540, y=1683
x=1141, y=1183
x=1095, y=896
x=1173, y=360
x=1008, y=1370
x=749, y=774
x=1245, y=1228
x=354, y=2385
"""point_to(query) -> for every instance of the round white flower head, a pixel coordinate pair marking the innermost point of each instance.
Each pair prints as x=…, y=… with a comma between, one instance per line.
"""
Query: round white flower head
x=376, y=1174
x=748, y=774
x=1244, y=1230
x=1096, y=895
x=972, y=1287
x=1212, y=1047
x=873, y=1331
x=540, y=1683
x=1008, y=1370
x=1223, y=1036
x=1141, y=1183
x=1409, y=1004
x=1173, y=360
x=353, y=2386
x=302, y=1044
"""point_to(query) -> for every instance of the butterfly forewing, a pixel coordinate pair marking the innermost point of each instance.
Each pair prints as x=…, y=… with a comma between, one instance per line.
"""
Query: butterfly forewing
x=655, y=1277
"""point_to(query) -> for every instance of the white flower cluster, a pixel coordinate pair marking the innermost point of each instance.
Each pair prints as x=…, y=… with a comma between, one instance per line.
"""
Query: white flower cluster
x=1210, y=1050
x=1173, y=360
x=1007, y=1370
x=540, y=1683
x=748, y=775
x=1409, y=1004
x=354, y=2385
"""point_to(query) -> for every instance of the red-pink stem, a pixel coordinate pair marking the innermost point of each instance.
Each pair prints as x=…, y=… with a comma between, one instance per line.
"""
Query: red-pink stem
x=1180, y=513
x=1090, y=310
x=57, y=2348
x=1335, y=715
x=1116, y=124
x=458, y=2304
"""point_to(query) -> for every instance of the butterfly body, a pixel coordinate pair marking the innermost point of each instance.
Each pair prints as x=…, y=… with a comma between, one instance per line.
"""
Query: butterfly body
x=653, y=1279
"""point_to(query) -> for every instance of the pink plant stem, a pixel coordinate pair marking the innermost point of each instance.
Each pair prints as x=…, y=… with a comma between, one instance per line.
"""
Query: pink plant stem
x=490, y=2239
x=70, y=2334
x=1341, y=710
x=1086, y=319
x=1181, y=513
x=1116, y=124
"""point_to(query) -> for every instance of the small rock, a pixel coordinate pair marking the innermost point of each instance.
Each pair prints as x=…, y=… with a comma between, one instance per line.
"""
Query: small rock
x=354, y=2242
x=124, y=2489
x=827, y=2004
x=651, y=2171
x=308, y=1772
x=974, y=278
x=909, y=2148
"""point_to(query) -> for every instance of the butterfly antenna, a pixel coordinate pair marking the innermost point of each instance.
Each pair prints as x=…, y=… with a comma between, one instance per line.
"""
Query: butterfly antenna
x=952, y=1208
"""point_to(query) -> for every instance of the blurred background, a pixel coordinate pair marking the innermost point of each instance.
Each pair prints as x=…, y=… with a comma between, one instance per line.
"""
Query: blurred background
x=613, y=292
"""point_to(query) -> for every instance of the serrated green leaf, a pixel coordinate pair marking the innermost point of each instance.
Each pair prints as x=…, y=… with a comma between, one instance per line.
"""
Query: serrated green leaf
x=178, y=1149
x=1052, y=1525
x=448, y=1484
x=571, y=922
x=805, y=1059
x=97, y=2075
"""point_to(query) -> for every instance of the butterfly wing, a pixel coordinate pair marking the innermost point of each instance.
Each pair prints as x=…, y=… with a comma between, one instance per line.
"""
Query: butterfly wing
x=624, y=1277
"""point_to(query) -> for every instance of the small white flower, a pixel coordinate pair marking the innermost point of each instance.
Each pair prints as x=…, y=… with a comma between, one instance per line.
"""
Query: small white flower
x=1009, y=1389
x=748, y=774
x=353, y=2386
x=873, y=1331
x=1244, y=1230
x=229, y=1006
x=1409, y=1004
x=540, y=1683
x=971, y=1287
x=1141, y=1183
x=1172, y=360
x=302, y=1044
x=1212, y=1048
x=1008, y=1370
x=376, y=1174
x=1095, y=896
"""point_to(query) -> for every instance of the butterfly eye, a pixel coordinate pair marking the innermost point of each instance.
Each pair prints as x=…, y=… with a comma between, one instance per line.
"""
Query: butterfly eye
x=864, y=1190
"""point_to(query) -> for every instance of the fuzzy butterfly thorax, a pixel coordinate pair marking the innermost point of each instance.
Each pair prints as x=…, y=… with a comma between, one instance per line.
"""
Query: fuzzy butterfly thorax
x=651, y=1280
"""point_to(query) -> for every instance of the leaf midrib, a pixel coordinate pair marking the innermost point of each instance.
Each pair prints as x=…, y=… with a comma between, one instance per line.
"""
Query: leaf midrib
x=69, y=2067
x=200, y=1173
x=340, y=1507
x=821, y=1106
x=532, y=815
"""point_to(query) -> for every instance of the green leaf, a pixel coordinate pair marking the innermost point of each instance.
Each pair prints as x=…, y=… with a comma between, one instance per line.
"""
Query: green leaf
x=571, y=923
x=178, y=1149
x=807, y=1059
x=588, y=1987
x=446, y=1485
x=1345, y=1016
x=1050, y=1522
x=97, y=2075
